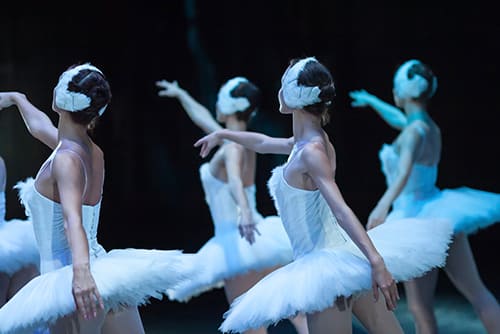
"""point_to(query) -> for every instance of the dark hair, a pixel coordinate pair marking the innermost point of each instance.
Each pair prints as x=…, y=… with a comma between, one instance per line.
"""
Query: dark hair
x=94, y=85
x=316, y=74
x=249, y=91
x=424, y=71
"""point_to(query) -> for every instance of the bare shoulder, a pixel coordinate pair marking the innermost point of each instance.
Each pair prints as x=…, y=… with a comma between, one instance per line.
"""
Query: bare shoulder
x=418, y=127
x=317, y=153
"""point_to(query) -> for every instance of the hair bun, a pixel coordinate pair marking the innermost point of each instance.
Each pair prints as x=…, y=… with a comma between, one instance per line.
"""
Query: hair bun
x=327, y=93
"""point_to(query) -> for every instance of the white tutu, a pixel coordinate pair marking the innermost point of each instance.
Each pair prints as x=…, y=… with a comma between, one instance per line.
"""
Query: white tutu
x=127, y=277
x=313, y=281
x=18, y=247
x=227, y=255
x=469, y=209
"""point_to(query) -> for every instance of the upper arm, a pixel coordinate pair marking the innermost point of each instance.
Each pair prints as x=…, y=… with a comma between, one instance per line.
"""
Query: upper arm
x=233, y=162
x=48, y=134
x=319, y=167
x=409, y=146
x=69, y=175
x=279, y=145
x=208, y=124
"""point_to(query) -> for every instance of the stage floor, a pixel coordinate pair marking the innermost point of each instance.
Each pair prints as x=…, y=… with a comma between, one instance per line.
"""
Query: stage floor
x=454, y=315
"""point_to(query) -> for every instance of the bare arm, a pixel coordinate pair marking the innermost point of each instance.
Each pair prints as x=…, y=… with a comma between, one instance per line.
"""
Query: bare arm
x=254, y=141
x=389, y=113
x=37, y=122
x=234, y=165
x=68, y=172
x=320, y=169
x=196, y=112
x=3, y=176
x=408, y=146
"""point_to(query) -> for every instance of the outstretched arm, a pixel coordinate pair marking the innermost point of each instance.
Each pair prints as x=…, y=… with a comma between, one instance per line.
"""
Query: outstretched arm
x=408, y=146
x=68, y=172
x=320, y=169
x=37, y=122
x=254, y=141
x=389, y=113
x=196, y=112
x=234, y=165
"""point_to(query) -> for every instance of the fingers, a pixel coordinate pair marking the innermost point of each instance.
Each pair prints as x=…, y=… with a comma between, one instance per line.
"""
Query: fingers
x=390, y=295
x=99, y=300
x=257, y=230
x=88, y=303
x=80, y=305
x=161, y=83
x=92, y=304
x=375, y=290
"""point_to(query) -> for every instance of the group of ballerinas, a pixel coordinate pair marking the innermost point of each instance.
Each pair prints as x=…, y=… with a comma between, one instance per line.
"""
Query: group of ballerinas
x=314, y=263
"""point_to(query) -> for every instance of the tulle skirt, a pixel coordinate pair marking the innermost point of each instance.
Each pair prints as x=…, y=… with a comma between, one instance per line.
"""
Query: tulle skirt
x=313, y=282
x=468, y=209
x=18, y=246
x=126, y=277
x=227, y=255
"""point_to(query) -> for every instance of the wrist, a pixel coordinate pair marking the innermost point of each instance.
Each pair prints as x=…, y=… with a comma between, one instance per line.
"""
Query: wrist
x=376, y=262
x=17, y=97
x=83, y=266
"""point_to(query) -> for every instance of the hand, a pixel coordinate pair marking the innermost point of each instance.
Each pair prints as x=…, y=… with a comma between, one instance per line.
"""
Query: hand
x=87, y=297
x=361, y=98
x=248, y=230
x=6, y=99
x=208, y=142
x=377, y=216
x=382, y=279
x=170, y=89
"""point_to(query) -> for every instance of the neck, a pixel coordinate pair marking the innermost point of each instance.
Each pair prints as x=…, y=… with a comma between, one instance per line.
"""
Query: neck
x=305, y=125
x=415, y=111
x=233, y=123
x=69, y=130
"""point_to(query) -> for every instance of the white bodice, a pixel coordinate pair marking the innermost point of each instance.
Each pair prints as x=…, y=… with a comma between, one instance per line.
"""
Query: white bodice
x=421, y=184
x=307, y=218
x=223, y=208
x=48, y=225
x=2, y=207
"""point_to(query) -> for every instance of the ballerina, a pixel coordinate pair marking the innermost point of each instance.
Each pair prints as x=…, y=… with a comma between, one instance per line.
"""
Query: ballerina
x=228, y=181
x=335, y=259
x=82, y=287
x=410, y=165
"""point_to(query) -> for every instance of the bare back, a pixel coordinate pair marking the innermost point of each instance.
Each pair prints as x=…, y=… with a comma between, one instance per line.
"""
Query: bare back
x=92, y=160
x=428, y=152
x=248, y=165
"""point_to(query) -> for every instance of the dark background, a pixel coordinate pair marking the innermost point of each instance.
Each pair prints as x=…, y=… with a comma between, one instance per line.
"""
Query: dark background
x=153, y=196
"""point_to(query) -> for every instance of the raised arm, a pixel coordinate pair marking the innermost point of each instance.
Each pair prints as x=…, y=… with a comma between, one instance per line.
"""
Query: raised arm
x=37, y=122
x=254, y=141
x=196, y=112
x=409, y=143
x=68, y=172
x=389, y=113
x=320, y=169
x=234, y=165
